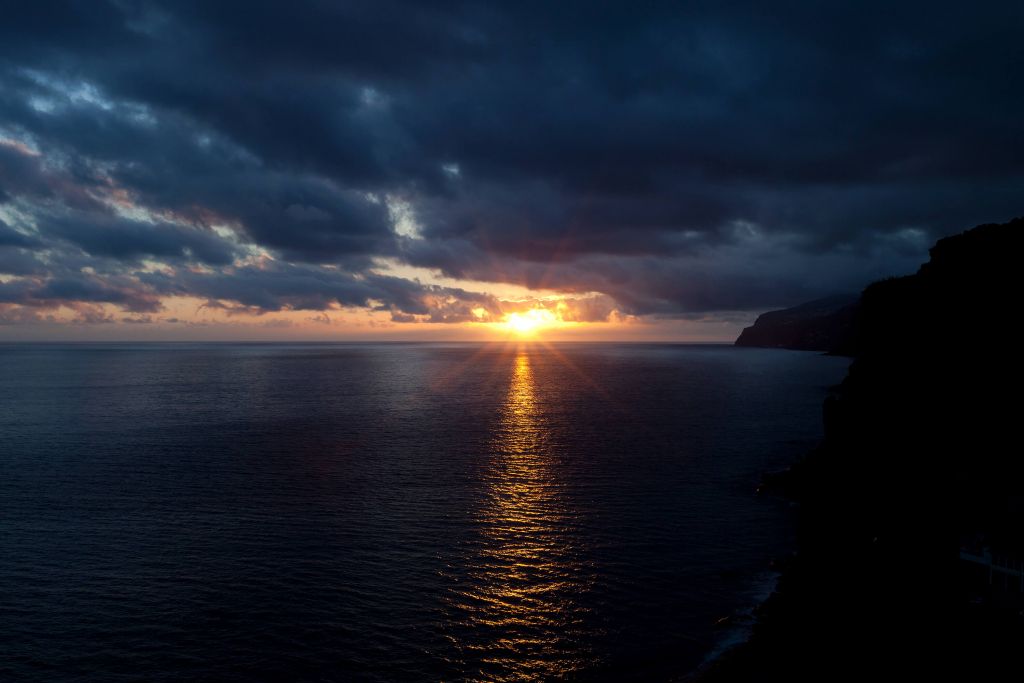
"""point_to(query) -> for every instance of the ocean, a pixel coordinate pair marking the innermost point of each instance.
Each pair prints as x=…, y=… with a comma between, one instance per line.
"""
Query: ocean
x=390, y=512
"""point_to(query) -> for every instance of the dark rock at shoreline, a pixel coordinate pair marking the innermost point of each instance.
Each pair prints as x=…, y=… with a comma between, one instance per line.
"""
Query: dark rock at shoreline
x=920, y=450
x=822, y=325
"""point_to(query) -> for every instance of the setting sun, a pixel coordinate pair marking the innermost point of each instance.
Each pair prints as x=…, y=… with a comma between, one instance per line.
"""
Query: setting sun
x=526, y=323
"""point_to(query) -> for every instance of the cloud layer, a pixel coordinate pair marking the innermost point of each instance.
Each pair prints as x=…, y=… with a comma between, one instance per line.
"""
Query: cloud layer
x=664, y=161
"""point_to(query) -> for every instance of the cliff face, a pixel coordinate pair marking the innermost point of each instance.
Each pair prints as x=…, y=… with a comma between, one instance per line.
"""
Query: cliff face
x=921, y=451
x=927, y=398
x=822, y=325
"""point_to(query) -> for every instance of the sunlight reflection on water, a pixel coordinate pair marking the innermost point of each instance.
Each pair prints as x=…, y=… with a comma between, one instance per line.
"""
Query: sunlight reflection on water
x=519, y=605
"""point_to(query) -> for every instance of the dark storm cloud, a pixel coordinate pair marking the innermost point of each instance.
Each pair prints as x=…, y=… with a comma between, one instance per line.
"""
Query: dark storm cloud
x=23, y=173
x=12, y=238
x=19, y=262
x=677, y=158
x=96, y=290
x=263, y=289
x=277, y=287
x=192, y=173
x=69, y=289
x=748, y=270
x=128, y=239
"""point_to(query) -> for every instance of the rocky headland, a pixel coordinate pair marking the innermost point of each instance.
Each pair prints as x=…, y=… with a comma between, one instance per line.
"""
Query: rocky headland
x=921, y=452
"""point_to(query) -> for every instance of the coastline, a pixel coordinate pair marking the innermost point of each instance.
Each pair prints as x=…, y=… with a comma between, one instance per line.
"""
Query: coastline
x=739, y=633
x=743, y=655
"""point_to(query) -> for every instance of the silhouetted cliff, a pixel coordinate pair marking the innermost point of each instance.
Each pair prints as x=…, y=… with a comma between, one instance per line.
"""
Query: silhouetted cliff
x=921, y=453
x=822, y=325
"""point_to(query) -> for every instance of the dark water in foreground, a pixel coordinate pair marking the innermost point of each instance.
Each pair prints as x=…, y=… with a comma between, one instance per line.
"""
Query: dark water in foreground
x=388, y=512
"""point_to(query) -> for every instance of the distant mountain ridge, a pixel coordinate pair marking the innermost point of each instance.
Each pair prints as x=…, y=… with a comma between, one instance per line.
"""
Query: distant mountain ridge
x=821, y=325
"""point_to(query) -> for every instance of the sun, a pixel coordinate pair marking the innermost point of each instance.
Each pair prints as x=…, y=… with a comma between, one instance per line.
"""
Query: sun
x=527, y=323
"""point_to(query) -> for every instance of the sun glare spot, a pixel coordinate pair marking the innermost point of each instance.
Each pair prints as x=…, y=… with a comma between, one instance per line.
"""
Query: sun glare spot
x=526, y=323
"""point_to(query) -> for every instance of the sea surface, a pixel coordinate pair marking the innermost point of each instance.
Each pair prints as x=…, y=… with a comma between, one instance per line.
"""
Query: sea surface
x=389, y=512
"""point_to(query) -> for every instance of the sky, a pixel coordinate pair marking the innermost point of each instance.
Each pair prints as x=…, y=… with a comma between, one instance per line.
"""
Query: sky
x=410, y=170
